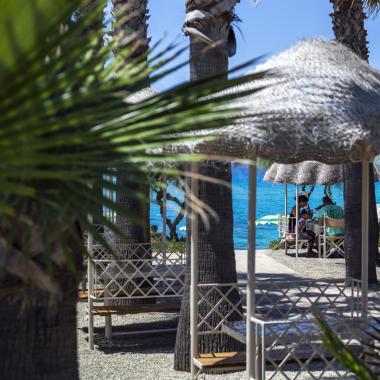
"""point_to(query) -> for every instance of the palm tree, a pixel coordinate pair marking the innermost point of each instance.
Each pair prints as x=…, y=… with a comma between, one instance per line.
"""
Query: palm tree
x=131, y=20
x=64, y=122
x=348, y=24
x=131, y=29
x=211, y=42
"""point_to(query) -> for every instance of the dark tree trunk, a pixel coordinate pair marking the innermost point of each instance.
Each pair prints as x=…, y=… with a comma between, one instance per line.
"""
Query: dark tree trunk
x=352, y=242
x=348, y=24
x=134, y=232
x=134, y=16
x=38, y=334
x=38, y=328
x=216, y=262
x=216, y=247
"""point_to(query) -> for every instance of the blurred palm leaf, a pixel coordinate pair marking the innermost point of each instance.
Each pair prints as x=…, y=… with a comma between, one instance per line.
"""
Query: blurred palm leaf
x=349, y=359
x=66, y=123
x=373, y=6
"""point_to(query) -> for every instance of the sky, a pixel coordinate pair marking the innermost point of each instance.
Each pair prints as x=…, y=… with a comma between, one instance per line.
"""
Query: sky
x=266, y=29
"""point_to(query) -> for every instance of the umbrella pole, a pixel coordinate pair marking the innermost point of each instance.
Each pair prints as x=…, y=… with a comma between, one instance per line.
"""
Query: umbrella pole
x=194, y=275
x=365, y=216
x=251, y=273
x=90, y=280
x=296, y=224
x=164, y=205
x=286, y=200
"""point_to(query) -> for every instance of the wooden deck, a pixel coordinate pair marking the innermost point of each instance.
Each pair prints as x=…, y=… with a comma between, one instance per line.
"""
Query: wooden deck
x=105, y=311
x=222, y=360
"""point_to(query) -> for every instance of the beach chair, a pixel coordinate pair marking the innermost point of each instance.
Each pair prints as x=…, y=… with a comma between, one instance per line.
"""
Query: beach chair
x=332, y=244
x=288, y=238
x=138, y=278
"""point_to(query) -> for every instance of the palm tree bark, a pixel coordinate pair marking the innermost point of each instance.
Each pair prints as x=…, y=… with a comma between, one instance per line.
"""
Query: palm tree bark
x=348, y=25
x=216, y=248
x=131, y=26
x=38, y=337
x=38, y=311
x=131, y=17
x=38, y=334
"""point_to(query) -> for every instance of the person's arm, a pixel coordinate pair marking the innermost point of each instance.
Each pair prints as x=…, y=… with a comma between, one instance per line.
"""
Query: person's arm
x=319, y=216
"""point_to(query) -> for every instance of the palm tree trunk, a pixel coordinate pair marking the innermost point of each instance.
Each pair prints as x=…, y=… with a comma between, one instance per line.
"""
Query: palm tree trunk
x=216, y=248
x=132, y=16
x=348, y=24
x=38, y=334
x=38, y=327
x=38, y=338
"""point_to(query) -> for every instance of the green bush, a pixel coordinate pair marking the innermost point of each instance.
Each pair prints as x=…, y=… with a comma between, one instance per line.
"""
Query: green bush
x=171, y=246
x=274, y=244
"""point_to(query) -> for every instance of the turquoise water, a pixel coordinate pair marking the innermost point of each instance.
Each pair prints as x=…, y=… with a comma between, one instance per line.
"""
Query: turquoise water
x=270, y=200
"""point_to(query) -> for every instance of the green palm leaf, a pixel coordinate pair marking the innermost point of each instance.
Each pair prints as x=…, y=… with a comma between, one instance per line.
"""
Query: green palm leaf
x=342, y=353
x=65, y=122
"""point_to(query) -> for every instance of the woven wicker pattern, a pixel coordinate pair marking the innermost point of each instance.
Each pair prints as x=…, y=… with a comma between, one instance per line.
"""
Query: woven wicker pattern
x=305, y=173
x=321, y=102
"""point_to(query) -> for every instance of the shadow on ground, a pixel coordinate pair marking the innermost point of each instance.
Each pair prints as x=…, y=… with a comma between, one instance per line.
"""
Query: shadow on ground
x=137, y=343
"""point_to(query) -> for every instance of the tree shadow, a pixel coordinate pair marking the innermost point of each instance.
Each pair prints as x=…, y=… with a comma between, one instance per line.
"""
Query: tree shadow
x=242, y=276
x=146, y=343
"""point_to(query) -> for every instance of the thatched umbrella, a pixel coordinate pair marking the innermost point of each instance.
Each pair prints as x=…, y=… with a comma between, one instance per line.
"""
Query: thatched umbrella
x=303, y=173
x=322, y=102
x=376, y=164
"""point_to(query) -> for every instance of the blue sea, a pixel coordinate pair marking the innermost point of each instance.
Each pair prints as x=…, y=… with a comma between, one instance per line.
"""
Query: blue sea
x=270, y=201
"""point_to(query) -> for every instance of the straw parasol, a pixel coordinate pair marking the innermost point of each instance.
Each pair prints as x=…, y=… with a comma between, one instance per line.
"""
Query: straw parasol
x=305, y=173
x=322, y=102
x=376, y=164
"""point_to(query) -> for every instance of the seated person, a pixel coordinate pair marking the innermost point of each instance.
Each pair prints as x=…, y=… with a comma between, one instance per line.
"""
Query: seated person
x=302, y=204
x=333, y=211
x=304, y=233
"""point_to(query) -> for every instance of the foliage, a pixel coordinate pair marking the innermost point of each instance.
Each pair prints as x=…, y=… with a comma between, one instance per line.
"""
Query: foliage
x=66, y=121
x=274, y=244
x=172, y=177
x=345, y=356
x=373, y=6
x=171, y=246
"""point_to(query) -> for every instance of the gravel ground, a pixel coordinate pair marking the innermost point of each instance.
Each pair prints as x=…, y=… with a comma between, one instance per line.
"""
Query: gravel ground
x=147, y=357
x=312, y=267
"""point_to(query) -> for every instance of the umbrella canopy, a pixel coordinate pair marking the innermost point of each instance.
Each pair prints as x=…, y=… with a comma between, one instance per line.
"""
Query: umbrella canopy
x=305, y=173
x=268, y=219
x=320, y=102
x=376, y=164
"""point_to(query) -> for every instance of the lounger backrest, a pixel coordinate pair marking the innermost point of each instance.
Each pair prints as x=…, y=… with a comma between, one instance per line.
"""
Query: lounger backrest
x=141, y=270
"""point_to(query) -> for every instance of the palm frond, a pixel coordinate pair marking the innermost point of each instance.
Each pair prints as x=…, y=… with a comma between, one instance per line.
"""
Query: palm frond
x=372, y=6
x=66, y=126
x=342, y=353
